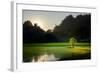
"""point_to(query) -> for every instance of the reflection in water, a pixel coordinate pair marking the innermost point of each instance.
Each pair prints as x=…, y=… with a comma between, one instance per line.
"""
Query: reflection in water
x=45, y=57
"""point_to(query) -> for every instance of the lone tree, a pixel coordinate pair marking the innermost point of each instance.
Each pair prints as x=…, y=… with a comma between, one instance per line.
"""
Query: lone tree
x=72, y=42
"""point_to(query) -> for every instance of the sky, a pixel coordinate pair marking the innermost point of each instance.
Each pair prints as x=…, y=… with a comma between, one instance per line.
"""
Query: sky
x=46, y=19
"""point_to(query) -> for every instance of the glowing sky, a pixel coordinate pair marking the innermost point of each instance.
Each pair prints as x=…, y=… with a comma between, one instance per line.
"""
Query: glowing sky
x=46, y=19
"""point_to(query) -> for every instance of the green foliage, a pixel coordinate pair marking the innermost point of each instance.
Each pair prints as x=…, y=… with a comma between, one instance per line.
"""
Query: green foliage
x=72, y=42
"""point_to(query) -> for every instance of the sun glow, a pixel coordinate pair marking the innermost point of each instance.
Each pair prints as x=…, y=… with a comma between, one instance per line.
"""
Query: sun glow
x=41, y=24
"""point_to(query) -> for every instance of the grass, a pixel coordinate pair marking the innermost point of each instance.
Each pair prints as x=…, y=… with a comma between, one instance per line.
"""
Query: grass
x=62, y=50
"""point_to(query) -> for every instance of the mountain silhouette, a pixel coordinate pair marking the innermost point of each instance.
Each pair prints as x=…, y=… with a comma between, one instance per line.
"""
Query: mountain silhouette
x=34, y=34
x=79, y=27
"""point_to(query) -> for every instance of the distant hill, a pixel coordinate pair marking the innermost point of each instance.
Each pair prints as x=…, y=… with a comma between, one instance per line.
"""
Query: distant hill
x=78, y=27
x=34, y=34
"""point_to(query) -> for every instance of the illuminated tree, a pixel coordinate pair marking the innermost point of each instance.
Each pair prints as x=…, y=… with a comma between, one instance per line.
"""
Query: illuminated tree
x=72, y=42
